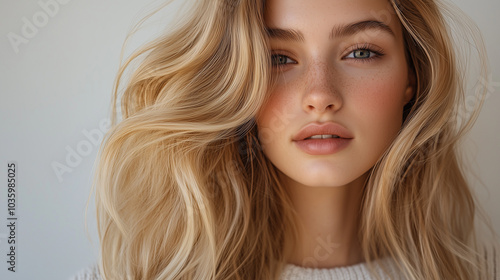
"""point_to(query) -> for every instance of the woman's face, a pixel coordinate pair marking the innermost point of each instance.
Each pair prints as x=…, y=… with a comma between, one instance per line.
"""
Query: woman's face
x=341, y=71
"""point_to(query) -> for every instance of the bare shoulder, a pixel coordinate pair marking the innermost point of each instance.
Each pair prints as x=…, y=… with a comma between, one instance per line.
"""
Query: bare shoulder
x=89, y=273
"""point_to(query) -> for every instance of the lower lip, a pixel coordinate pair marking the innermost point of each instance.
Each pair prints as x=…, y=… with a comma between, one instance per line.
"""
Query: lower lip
x=322, y=146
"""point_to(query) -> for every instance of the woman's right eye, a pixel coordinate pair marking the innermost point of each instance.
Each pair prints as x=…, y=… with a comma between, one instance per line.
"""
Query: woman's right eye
x=281, y=60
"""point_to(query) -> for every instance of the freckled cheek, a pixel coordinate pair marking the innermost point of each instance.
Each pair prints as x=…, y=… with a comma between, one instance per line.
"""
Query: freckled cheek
x=279, y=102
x=379, y=103
x=273, y=119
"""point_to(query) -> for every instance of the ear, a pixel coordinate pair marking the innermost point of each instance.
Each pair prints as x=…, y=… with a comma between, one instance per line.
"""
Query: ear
x=411, y=86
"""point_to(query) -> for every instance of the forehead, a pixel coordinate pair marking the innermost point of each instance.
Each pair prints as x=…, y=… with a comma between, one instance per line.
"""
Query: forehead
x=318, y=15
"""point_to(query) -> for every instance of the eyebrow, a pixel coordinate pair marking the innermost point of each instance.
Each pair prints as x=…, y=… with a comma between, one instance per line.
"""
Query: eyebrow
x=337, y=31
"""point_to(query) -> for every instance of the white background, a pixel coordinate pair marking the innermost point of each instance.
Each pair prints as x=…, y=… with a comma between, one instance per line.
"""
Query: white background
x=55, y=94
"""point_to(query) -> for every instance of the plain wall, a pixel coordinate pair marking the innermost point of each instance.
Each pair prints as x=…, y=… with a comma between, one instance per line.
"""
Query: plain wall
x=55, y=92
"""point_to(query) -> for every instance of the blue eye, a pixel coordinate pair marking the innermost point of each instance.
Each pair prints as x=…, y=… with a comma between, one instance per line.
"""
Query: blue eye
x=361, y=54
x=364, y=53
x=280, y=60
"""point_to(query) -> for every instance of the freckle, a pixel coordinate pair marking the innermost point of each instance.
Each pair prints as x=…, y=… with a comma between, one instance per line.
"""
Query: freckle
x=319, y=73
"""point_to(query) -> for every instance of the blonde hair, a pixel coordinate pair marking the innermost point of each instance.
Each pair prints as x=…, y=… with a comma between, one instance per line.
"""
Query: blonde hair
x=419, y=208
x=183, y=190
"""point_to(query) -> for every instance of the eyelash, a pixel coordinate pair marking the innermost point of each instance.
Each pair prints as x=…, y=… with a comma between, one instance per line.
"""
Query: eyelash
x=366, y=47
x=358, y=47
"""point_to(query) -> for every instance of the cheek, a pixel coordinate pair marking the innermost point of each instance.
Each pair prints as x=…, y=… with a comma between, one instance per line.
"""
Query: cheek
x=275, y=113
x=380, y=98
x=273, y=118
x=379, y=106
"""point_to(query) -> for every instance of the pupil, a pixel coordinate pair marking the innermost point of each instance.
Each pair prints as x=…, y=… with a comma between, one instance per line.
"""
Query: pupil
x=362, y=53
x=278, y=59
x=281, y=59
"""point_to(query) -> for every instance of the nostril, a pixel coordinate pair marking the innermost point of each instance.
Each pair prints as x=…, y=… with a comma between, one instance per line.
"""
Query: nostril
x=328, y=107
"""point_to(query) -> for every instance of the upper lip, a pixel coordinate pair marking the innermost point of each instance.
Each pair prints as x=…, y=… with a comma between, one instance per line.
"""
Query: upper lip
x=328, y=128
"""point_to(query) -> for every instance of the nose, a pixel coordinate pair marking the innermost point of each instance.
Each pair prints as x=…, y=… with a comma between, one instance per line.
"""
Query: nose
x=321, y=92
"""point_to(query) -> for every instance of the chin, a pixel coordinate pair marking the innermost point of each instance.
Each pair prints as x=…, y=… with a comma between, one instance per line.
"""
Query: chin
x=329, y=183
x=321, y=180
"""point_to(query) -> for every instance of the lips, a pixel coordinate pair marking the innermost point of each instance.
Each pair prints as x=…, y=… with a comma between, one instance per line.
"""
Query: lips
x=329, y=128
x=322, y=139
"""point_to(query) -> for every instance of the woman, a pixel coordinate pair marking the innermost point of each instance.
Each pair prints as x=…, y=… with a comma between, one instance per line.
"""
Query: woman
x=287, y=139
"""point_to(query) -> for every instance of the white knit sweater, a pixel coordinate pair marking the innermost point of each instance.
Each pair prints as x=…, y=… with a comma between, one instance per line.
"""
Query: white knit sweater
x=358, y=271
x=354, y=272
x=291, y=272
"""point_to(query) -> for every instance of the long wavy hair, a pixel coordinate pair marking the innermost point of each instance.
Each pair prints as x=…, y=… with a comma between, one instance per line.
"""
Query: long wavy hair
x=183, y=190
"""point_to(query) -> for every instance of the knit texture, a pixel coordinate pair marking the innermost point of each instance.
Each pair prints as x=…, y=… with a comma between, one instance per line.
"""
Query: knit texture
x=358, y=271
x=89, y=273
x=291, y=272
x=354, y=272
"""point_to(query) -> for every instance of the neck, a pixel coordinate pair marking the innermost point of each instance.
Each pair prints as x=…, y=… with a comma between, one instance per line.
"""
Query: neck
x=328, y=223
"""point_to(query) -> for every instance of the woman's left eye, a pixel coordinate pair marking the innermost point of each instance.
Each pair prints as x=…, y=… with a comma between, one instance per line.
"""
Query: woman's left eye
x=281, y=60
x=362, y=54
